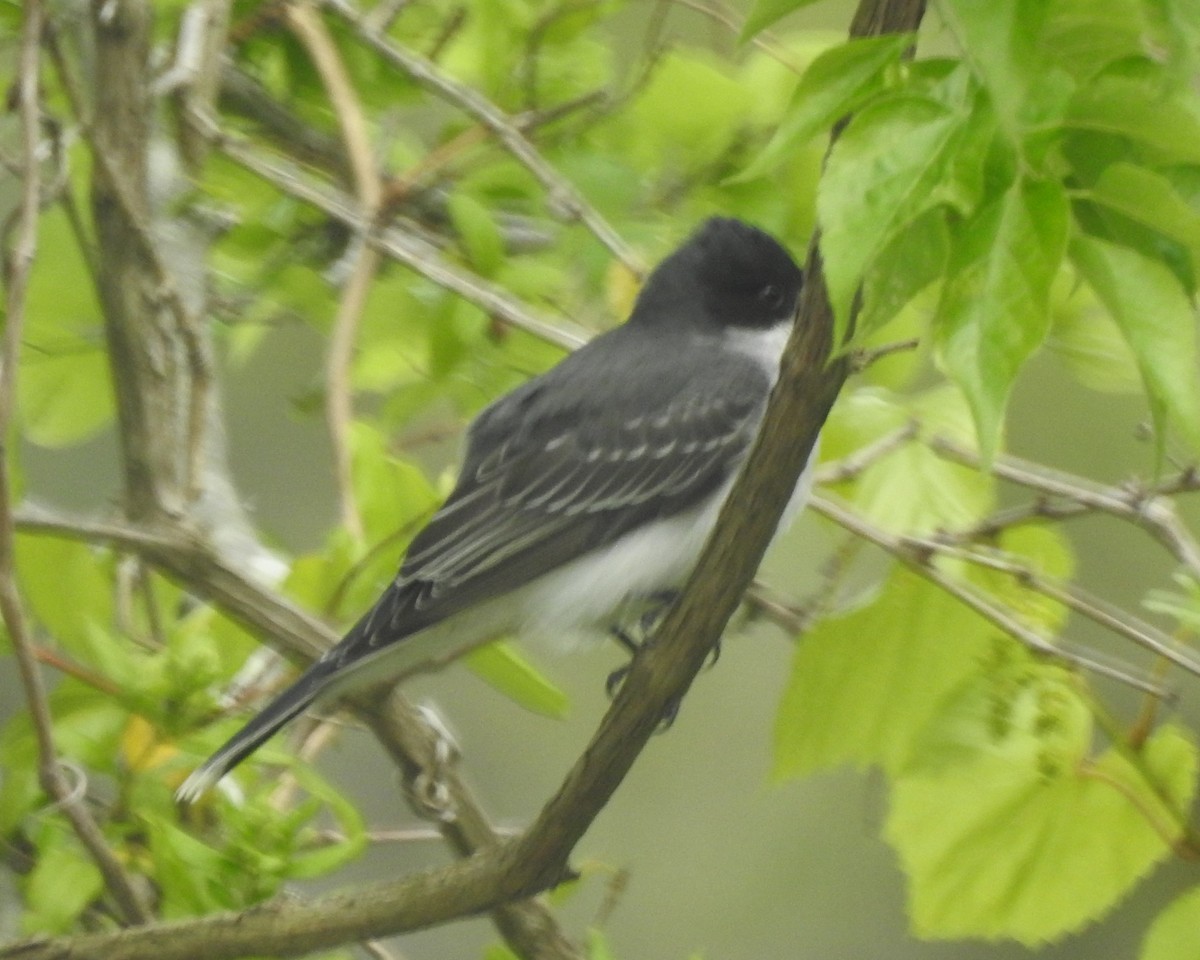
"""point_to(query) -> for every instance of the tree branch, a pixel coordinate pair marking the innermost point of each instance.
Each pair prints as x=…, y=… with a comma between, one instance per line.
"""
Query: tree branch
x=562, y=194
x=919, y=561
x=17, y=266
x=405, y=249
x=307, y=24
x=1145, y=508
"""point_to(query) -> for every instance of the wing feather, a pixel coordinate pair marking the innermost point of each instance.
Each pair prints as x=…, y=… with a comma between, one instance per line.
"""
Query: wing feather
x=532, y=506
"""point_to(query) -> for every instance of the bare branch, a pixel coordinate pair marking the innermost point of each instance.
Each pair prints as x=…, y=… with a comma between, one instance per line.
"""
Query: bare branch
x=339, y=403
x=1070, y=595
x=1144, y=508
x=919, y=560
x=408, y=250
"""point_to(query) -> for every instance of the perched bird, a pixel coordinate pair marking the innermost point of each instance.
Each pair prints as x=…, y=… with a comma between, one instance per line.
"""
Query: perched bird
x=587, y=492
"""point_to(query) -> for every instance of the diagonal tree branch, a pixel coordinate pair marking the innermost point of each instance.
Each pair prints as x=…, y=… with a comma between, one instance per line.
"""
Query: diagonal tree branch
x=808, y=384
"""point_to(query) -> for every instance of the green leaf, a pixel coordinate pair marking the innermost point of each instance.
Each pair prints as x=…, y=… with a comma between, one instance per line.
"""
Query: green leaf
x=1159, y=324
x=1000, y=39
x=912, y=490
x=864, y=686
x=1140, y=110
x=1001, y=842
x=1149, y=198
x=1085, y=338
x=834, y=84
x=1084, y=37
x=766, y=12
x=393, y=495
x=64, y=880
x=53, y=569
x=188, y=872
x=65, y=392
x=913, y=259
x=892, y=163
x=64, y=387
x=477, y=231
x=1172, y=936
x=328, y=857
x=501, y=666
x=995, y=308
x=688, y=115
x=598, y=947
x=1042, y=549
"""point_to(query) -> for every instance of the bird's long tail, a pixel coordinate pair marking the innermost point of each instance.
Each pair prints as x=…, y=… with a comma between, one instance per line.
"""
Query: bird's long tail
x=287, y=705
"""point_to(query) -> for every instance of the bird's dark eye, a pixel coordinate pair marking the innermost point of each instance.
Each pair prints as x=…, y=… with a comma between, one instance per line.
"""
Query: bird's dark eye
x=771, y=297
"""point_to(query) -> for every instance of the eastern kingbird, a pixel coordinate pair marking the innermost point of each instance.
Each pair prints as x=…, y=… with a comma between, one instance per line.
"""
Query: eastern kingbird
x=589, y=489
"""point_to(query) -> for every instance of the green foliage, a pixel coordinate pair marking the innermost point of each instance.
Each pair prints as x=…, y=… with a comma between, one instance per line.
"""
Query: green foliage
x=1038, y=189
x=1054, y=132
x=1173, y=935
x=1005, y=844
x=1035, y=185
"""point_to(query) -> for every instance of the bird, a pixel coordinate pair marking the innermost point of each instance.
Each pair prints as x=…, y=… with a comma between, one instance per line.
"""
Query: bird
x=587, y=493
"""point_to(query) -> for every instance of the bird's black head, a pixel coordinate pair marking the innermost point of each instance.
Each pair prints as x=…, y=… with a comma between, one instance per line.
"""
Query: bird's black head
x=728, y=273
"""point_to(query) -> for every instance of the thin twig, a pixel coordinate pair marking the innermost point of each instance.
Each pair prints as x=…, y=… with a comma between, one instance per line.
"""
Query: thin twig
x=1070, y=595
x=978, y=601
x=191, y=560
x=307, y=24
x=855, y=464
x=1145, y=508
x=861, y=359
x=377, y=951
x=726, y=18
x=408, y=250
x=562, y=194
x=18, y=264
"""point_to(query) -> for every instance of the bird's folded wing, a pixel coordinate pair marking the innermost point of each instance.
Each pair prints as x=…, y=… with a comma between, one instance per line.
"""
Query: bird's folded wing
x=532, y=505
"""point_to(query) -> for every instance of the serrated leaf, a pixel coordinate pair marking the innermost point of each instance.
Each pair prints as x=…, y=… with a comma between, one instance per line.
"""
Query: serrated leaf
x=766, y=12
x=502, y=666
x=995, y=308
x=996, y=711
x=1008, y=846
x=864, y=686
x=1044, y=550
x=891, y=164
x=1159, y=324
x=834, y=84
x=1172, y=936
